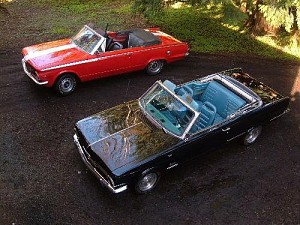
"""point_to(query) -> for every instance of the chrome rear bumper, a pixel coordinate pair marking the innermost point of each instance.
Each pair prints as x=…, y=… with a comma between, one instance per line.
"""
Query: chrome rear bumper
x=102, y=180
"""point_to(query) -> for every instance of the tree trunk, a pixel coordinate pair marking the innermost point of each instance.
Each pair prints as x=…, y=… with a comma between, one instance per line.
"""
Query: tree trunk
x=256, y=22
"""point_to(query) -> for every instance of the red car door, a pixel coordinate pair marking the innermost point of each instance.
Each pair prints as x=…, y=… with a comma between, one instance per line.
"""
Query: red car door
x=109, y=63
x=141, y=56
x=137, y=57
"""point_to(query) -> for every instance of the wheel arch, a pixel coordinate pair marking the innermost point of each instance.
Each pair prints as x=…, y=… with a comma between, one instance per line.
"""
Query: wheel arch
x=140, y=173
x=154, y=59
x=67, y=72
x=155, y=66
x=140, y=177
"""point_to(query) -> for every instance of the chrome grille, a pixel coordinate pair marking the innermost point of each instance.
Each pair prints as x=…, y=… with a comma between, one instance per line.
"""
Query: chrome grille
x=91, y=157
x=29, y=68
x=91, y=160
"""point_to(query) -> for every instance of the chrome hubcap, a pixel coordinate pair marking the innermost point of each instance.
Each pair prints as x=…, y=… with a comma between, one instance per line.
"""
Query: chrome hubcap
x=66, y=85
x=155, y=66
x=148, y=181
x=253, y=134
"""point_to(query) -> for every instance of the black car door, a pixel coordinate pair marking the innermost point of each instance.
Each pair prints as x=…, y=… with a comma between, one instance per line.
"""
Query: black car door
x=195, y=145
x=240, y=124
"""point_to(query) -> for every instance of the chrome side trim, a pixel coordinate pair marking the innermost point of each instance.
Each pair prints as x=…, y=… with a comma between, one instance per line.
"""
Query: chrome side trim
x=113, y=189
x=172, y=165
x=284, y=112
x=236, y=136
x=104, y=57
x=74, y=63
x=31, y=76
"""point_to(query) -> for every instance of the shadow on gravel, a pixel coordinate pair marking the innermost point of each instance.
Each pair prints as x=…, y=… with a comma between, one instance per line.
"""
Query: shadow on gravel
x=3, y=11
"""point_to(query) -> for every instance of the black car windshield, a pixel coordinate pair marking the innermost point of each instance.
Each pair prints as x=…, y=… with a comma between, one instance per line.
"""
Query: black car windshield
x=88, y=40
x=167, y=110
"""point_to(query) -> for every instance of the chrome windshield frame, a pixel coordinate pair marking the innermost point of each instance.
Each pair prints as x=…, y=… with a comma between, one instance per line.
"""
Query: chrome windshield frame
x=100, y=42
x=196, y=113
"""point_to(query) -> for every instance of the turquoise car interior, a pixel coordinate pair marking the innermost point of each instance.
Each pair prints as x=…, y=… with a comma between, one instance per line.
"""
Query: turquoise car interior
x=214, y=101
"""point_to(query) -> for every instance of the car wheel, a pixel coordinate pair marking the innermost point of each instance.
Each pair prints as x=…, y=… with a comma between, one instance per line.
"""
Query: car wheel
x=252, y=135
x=147, y=182
x=66, y=84
x=155, y=67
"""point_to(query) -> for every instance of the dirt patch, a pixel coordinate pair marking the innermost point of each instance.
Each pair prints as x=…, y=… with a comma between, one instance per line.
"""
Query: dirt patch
x=3, y=11
x=21, y=24
x=28, y=22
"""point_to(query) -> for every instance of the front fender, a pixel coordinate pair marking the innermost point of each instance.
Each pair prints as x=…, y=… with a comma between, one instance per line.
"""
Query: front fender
x=52, y=75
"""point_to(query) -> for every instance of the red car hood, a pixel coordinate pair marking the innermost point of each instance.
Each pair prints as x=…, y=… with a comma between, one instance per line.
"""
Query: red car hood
x=51, y=54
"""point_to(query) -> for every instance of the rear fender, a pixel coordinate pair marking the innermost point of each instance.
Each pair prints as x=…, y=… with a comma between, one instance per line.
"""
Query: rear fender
x=156, y=58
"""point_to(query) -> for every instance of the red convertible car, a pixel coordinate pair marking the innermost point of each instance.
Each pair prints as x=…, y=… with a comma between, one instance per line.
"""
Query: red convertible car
x=94, y=53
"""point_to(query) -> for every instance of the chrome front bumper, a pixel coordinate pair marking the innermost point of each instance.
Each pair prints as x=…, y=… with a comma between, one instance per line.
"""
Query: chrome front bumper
x=31, y=76
x=113, y=189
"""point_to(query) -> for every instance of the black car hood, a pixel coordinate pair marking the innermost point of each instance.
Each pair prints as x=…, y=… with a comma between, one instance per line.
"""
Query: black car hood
x=122, y=137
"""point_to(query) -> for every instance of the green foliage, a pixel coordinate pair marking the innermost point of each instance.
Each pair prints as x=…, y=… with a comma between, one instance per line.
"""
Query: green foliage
x=206, y=31
x=233, y=16
x=147, y=6
x=210, y=28
x=280, y=13
x=218, y=25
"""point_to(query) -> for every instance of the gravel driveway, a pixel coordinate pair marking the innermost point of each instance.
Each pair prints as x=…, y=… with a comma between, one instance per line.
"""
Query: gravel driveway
x=44, y=181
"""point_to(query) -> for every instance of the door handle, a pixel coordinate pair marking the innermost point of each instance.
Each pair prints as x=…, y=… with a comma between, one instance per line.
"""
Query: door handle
x=129, y=54
x=226, y=129
x=172, y=165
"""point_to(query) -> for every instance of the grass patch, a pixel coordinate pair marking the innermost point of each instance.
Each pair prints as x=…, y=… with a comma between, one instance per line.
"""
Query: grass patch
x=214, y=29
x=73, y=14
x=61, y=30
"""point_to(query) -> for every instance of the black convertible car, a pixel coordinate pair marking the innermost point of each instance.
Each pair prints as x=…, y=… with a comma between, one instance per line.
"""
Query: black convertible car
x=131, y=144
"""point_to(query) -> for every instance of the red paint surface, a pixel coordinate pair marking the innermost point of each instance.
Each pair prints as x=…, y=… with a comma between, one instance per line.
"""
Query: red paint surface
x=88, y=67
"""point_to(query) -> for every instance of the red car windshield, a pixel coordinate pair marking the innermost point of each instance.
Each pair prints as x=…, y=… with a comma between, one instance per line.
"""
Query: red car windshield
x=88, y=40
